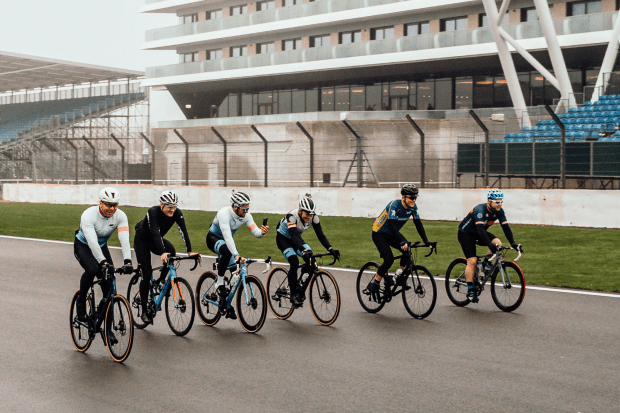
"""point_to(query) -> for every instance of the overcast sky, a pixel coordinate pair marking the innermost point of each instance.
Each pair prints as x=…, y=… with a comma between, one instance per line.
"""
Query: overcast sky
x=106, y=33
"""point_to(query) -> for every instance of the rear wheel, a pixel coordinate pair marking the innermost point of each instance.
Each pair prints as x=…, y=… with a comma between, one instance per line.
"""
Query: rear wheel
x=206, y=297
x=135, y=303
x=119, y=329
x=508, y=289
x=456, y=285
x=279, y=293
x=180, y=308
x=364, y=277
x=420, y=292
x=79, y=333
x=324, y=298
x=253, y=312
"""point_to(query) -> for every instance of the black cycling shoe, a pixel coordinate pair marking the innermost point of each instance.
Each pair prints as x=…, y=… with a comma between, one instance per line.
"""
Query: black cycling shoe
x=112, y=339
x=146, y=318
x=472, y=296
x=80, y=311
x=230, y=313
x=297, y=300
x=372, y=290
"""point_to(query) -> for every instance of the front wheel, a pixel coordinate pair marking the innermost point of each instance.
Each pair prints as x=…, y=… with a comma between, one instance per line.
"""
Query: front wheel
x=364, y=277
x=119, y=329
x=251, y=304
x=180, y=307
x=456, y=285
x=135, y=302
x=419, y=292
x=324, y=298
x=508, y=289
x=279, y=293
x=79, y=333
x=206, y=296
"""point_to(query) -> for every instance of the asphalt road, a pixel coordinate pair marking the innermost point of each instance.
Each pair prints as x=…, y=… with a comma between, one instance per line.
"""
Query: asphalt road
x=558, y=352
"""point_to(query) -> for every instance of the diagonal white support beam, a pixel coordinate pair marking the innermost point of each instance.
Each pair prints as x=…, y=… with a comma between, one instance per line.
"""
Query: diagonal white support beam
x=502, y=10
x=608, y=61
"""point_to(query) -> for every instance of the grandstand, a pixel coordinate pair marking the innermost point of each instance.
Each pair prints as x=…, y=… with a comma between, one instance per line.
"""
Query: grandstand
x=89, y=116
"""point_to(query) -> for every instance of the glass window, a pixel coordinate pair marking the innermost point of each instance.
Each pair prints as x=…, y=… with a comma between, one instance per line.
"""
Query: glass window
x=342, y=98
x=575, y=80
x=528, y=14
x=373, y=97
x=214, y=54
x=524, y=81
x=414, y=29
x=357, y=98
x=291, y=44
x=286, y=3
x=246, y=104
x=190, y=18
x=456, y=23
x=237, y=10
x=463, y=87
x=237, y=51
x=351, y=37
x=265, y=5
x=483, y=92
x=483, y=20
x=551, y=93
x=233, y=104
x=299, y=101
x=222, y=111
x=265, y=48
x=584, y=7
x=188, y=57
x=312, y=100
x=399, y=88
x=327, y=99
x=426, y=95
x=412, y=105
x=380, y=33
x=214, y=14
x=443, y=94
x=284, y=101
x=537, y=89
x=501, y=94
x=319, y=41
x=385, y=96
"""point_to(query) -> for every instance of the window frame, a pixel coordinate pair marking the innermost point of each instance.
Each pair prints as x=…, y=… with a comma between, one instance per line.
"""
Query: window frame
x=442, y=23
x=373, y=32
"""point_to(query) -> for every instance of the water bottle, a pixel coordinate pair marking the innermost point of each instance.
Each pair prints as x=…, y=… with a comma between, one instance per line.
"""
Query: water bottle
x=304, y=278
x=234, y=281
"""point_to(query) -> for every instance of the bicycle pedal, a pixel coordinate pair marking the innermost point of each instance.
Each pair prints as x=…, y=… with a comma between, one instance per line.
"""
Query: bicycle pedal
x=474, y=300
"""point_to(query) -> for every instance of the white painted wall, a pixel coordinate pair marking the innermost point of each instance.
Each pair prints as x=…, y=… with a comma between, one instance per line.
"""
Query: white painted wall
x=583, y=208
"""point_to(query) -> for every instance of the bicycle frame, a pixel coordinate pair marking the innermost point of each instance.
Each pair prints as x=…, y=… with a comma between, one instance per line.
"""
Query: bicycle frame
x=408, y=270
x=497, y=260
x=101, y=312
x=242, y=272
x=314, y=268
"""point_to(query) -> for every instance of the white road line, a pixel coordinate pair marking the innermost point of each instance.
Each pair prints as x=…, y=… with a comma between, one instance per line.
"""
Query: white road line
x=532, y=287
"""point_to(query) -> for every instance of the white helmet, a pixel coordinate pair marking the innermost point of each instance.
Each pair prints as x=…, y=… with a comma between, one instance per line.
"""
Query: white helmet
x=169, y=198
x=240, y=198
x=109, y=194
x=307, y=204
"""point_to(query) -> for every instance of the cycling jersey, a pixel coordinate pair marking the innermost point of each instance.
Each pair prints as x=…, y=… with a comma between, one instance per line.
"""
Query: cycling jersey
x=292, y=226
x=481, y=213
x=396, y=212
x=156, y=224
x=95, y=230
x=227, y=222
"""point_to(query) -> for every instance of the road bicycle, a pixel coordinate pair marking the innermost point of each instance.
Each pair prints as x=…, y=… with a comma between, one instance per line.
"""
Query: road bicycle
x=507, y=281
x=112, y=313
x=250, y=303
x=415, y=282
x=324, y=294
x=175, y=293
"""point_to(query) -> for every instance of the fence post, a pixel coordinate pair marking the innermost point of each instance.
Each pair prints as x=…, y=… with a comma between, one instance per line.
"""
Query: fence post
x=265, y=142
x=76, y=156
x=562, y=145
x=225, y=154
x=422, y=153
x=186, y=157
x=486, y=146
x=358, y=153
x=93, y=148
x=152, y=157
x=311, y=153
x=122, y=157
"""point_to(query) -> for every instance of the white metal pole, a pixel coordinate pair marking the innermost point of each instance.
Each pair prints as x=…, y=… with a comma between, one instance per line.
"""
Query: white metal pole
x=608, y=61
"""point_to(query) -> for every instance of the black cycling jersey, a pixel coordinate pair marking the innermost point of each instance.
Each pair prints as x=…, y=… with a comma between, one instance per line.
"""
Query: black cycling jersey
x=156, y=224
x=480, y=213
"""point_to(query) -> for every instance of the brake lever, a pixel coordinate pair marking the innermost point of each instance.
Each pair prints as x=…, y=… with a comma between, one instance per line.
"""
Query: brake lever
x=196, y=260
x=267, y=264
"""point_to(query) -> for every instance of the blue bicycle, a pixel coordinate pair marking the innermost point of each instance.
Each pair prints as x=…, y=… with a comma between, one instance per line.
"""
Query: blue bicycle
x=251, y=296
x=177, y=293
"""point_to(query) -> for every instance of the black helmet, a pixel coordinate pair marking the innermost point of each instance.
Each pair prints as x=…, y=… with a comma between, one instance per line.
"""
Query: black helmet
x=410, y=190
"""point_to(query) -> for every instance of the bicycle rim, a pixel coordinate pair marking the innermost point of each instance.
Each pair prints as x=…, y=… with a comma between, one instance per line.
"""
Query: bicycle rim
x=118, y=322
x=278, y=293
x=205, y=291
x=253, y=312
x=508, y=289
x=456, y=286
x=365, y=275
x=180, y=308
x=420, y=293
x=135, y=302
x=324, y=298
x=79, y=334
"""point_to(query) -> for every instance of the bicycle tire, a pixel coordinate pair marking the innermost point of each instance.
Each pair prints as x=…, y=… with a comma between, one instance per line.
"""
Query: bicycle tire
x=363, y=278
x=133, y=297
x=456, y=286
x=324, y=295
x=79, y=334
x=180, y=306
x=420, y=298
x=252, y=316
x=514, y=296
x=207, y=312
x=278, y=293
x=118, y=321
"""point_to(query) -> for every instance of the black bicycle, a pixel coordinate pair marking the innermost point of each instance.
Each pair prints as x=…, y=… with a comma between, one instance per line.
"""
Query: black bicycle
x=415, y=282
x=178, y=295
x=507, y=281
x=117, y=333
x=324, y=293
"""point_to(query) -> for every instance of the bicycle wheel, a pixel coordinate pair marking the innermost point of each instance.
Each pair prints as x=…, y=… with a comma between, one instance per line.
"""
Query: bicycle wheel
x=366, y=274
x=508, y=291
x=133, y=297
x=324, y=298
x=205, y=290
x=79, y=334
x=420, y=292
x=180, y=307
x=278, y=293
x=118, y=325
x=456, y=286
x=252, y=313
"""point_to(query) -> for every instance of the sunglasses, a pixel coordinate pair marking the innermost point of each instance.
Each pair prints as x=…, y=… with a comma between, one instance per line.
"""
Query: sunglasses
x=109, y=205
x=413, y=198
x=497, y=202
x=244, y=209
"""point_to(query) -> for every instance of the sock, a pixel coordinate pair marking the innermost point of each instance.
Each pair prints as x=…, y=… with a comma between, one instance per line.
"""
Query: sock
x=470, y=286
x=485, y=263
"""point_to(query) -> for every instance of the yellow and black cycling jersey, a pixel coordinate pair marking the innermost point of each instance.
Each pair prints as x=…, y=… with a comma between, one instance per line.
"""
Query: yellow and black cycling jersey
x=397, y=212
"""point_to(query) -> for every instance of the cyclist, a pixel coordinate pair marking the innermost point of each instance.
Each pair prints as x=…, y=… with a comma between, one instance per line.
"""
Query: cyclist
x=91, y=249
x=386, y=234
x=220, y=240
x=473, y=231
x=291, y=243
x=149, y=239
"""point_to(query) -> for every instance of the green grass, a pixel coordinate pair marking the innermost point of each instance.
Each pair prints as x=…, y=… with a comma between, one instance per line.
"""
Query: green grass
x=554, y=256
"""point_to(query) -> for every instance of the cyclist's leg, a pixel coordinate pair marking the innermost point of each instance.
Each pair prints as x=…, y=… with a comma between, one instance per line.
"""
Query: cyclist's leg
x=383, y=242
x=218, y=245
x=143, y=256
x=105, y=285
x=169, y=248
x=90, y=265
x=468, y=244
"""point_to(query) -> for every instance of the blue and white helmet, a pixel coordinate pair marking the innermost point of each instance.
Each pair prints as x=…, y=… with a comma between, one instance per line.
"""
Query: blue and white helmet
x=494, y=194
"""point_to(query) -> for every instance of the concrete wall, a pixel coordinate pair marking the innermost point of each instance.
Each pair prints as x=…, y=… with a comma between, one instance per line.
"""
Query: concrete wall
x=583, y=208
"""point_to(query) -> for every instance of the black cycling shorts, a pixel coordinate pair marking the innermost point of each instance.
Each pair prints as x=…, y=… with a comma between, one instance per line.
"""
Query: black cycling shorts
x=469, y=240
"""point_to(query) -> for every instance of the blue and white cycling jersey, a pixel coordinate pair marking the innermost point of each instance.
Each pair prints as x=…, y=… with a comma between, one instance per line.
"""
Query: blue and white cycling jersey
x=227, y=222
x=95, y=231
